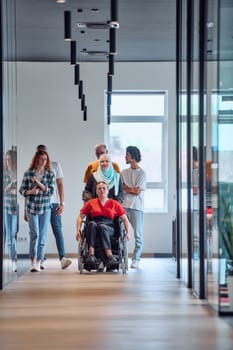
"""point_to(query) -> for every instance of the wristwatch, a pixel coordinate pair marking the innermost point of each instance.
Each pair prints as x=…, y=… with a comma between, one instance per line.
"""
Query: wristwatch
x=62, y=203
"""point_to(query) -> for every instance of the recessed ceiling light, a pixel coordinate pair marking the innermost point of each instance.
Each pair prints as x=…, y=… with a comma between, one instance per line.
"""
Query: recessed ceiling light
x=94, y=10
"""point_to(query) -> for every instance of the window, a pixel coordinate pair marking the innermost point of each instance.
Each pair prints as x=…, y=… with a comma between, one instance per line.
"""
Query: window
x=140, y=119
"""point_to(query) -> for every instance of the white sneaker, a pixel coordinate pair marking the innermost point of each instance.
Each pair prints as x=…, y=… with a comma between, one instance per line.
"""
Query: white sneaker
x=134, y=264
x=42, y=265
x=35, y=267
x=65, y=263
x=14, y=266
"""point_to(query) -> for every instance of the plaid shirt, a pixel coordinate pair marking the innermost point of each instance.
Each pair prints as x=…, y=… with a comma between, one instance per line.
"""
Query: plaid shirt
x=10, y=196
x=41, y=202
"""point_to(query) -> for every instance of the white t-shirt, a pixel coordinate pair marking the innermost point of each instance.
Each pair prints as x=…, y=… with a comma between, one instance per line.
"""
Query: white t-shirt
x=134, y=178
x=57, y=170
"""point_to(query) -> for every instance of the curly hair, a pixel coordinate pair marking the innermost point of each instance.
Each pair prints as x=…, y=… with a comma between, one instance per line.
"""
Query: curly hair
x=134, y=152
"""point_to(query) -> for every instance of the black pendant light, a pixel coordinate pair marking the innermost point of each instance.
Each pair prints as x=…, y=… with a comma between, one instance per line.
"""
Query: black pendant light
x=67, y=25
x=85, y=113
x=73, y=52
x=80, y=89
x=109, y=98
x=83, y=103
x=109, y=114
x=76, y=74
x=114, y=10
x=109, y=87
x=111, y=65
x=112, y=41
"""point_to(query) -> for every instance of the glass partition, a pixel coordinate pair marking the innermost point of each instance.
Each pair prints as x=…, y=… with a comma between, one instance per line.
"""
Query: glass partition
x=225, y=197
x=10, y=208
x=11, y=264
x=211, y=157
x=225, y=157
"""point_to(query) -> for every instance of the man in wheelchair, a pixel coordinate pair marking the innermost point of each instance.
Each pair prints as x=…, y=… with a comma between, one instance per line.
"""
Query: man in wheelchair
x=101, y=213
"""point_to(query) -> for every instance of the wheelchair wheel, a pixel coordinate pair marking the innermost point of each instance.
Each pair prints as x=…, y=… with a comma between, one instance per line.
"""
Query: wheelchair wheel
x=125, y=254
x=123, y=267
x=81, y=268
x=81, y=253
x=79, y=256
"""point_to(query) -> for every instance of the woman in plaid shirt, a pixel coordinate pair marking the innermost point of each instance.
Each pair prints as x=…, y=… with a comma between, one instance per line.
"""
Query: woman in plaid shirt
x=10, y=205
x=37, y=187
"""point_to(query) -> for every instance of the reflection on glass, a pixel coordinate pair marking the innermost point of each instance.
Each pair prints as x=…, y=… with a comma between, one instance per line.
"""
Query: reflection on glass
x=10, y=206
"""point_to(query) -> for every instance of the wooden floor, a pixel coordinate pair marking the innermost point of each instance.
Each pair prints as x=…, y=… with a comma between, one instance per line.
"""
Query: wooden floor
x=146, y=309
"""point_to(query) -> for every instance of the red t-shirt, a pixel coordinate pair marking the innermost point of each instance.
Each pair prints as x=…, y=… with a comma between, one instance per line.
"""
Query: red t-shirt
x=94, y=208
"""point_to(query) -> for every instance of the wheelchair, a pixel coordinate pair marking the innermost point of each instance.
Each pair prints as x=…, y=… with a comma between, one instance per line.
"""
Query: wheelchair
x=119, y=246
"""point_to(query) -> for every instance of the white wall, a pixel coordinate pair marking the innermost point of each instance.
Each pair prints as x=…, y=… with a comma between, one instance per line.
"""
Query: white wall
x=49, y=113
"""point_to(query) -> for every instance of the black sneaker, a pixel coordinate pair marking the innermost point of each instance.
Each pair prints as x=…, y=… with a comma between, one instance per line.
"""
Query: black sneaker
x=112, y=262
x=91, y=259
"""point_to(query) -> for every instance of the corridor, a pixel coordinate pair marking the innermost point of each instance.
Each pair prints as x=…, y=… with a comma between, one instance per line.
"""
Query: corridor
x=147, y=309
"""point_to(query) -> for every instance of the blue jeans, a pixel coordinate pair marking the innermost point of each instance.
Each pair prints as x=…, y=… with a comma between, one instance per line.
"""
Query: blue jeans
x=136, y=218
x=10, y=221
x=57, y=231
x=38, y=230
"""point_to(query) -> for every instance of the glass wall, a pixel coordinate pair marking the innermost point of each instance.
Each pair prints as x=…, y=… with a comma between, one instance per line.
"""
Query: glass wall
x=183, y=145
x=9, y=155
x=211, y=155
x=225, y=156
x=12, y=262
x=205, y=117
x=197, y=160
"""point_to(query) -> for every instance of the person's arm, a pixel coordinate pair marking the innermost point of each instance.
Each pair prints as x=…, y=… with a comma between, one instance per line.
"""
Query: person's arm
x=39, y=185
x=126, y=224
x=89, y=190
x=88, y=172
x=78, y=225
x=141, y=185
x=120, y=196
x=116, y=167
x=25, y=189
x=60, y=188
x=132, y=190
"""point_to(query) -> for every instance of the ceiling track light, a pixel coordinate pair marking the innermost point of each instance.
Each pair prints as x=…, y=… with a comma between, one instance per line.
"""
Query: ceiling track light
x=112, y=41
x=76, y=74
x=80, y=89
x=67, y=25
x=73, y=52
x=111, y=65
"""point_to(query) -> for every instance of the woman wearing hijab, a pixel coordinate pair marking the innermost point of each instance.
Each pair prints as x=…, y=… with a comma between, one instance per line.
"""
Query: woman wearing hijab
x=105, y=173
